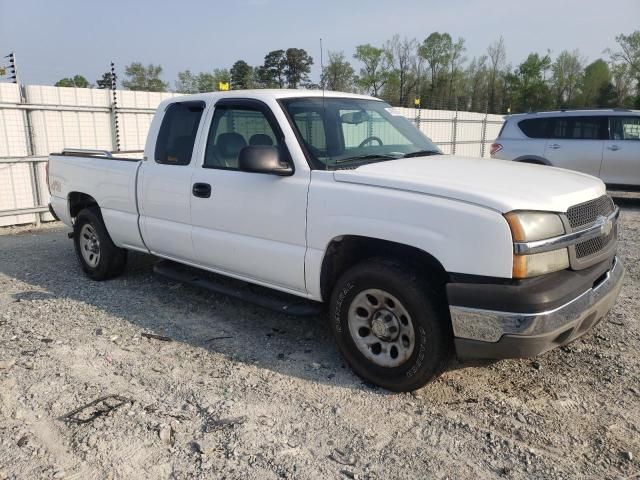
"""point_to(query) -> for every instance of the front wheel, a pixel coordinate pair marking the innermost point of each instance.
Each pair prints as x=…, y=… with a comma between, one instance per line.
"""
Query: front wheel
x=390, y=325
x=99, y=257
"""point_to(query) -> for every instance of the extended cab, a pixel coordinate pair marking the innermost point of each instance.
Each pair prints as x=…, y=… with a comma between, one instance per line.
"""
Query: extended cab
x=335, y=198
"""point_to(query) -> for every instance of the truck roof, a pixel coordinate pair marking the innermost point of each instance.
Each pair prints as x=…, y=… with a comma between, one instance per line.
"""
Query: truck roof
x=268, y=94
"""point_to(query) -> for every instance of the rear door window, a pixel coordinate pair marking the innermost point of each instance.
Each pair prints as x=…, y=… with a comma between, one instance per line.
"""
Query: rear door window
x=578, y=128
x=177, y=134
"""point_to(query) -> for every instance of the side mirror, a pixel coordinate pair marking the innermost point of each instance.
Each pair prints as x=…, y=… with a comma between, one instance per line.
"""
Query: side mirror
x=263, y=159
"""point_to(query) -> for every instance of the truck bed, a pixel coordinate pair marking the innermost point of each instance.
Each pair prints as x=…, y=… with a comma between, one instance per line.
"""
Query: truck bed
x=112, y=181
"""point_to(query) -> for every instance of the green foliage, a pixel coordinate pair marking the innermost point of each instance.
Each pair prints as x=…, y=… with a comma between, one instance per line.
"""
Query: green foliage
x=375, y=70
x=272, y=72
x=596, y=76
x=297, y=67
x=241, y=75
x=338, y=74
x=76, y=81
x=201, y=82
x=139, y=77
x=105, y=80
x=527, y=86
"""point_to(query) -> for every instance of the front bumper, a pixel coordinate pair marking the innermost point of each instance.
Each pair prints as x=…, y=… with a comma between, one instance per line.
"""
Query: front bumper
x=494, y=334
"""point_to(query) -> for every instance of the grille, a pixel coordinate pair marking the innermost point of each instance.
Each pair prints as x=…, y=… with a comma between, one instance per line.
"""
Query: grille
x=594, y=245
x=586, y=213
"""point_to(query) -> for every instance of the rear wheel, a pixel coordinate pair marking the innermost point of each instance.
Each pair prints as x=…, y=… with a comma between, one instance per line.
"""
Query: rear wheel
x=390, y=325
x=98, y=255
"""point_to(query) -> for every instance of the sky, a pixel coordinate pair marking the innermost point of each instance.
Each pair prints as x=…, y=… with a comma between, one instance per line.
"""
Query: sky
x=59, y=38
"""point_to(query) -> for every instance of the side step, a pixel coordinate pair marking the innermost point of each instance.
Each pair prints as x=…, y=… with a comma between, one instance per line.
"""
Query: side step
x=264, y=297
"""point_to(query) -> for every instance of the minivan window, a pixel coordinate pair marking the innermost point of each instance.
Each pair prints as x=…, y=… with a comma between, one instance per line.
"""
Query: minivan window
x=177, y=134
x=534, y=127
x=578, y=128
x=625, y=128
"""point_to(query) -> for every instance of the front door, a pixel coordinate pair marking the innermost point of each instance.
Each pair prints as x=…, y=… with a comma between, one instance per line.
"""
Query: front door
x=621, y=162
x=251, y=225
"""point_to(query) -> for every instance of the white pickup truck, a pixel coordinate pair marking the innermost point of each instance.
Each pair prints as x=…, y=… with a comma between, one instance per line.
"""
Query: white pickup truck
x=335, y=198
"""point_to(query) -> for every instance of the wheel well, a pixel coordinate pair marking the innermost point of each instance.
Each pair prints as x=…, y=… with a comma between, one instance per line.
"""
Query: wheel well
x=346, y=251
x=533, y=161
x=79, y=201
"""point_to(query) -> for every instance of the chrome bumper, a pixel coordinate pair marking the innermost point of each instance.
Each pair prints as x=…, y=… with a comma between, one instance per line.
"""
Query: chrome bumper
x=558, y=326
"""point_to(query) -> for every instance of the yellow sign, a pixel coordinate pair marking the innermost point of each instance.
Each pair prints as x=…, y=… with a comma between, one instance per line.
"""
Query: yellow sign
x=3, y=71
x=223, y=86
x=417, y=102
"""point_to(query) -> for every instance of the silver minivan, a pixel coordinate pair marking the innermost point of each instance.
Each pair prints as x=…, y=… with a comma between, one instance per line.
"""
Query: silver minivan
x=602, y=143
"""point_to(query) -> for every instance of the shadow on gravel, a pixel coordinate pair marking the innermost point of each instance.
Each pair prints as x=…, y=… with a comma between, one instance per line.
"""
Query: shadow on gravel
x=295, y=346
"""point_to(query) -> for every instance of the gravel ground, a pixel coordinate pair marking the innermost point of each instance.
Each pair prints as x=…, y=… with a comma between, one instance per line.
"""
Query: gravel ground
x=241, y=392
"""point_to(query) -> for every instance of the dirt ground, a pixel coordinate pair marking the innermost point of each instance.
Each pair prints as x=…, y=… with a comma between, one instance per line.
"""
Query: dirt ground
x=242, y=392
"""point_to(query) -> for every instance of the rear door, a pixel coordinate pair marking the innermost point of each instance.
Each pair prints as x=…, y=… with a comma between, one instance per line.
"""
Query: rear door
x=164, y=186
x=621, y=162
x=251, y=225
x=576, y=143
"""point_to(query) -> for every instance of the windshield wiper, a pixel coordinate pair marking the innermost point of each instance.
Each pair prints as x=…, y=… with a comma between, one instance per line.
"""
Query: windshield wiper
x=370, y=156
x=422, y=153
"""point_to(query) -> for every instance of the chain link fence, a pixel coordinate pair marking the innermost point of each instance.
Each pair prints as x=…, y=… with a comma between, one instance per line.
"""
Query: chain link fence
x=36, y=120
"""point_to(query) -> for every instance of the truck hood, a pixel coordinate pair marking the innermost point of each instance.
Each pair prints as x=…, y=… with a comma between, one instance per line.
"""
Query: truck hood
x=497, y=184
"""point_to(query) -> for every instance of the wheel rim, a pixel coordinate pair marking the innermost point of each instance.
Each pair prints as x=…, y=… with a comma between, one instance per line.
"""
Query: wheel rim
x=381, y=328
x=89, y=245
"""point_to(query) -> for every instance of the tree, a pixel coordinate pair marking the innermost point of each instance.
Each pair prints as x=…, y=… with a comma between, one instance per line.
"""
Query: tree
x=497, y=57
x=629, y=52
x=298, y=66
x=435, y=51
x=477, y=79
x=338, y=74
x=272, y=72
x=186, y=82
x=241, y=75
x=596, y=77
x=405, y=65
x=105, y=81
x=566, y=75
x=146, y=78
x=455, y=59
x=528, y=84
x=628, y=55
x=76, y=81
x=375, y=71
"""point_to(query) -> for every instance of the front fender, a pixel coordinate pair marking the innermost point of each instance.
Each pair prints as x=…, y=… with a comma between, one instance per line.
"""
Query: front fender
x=463, y=237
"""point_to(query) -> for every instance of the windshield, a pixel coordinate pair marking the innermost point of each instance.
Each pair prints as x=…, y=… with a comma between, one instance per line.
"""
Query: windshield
x=348, y=132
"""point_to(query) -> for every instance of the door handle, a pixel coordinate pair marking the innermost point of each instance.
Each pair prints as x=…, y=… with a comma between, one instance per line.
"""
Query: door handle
x=613, y=147
x=202, y=190
x=554, y=146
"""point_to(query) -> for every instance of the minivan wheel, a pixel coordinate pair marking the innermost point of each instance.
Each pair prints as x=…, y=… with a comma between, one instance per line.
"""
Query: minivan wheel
x=99, y=257
x=390, y=325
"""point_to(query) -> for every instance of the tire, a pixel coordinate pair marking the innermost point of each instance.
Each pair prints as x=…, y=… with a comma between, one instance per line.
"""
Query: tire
x=99, y=258
x=419, y=326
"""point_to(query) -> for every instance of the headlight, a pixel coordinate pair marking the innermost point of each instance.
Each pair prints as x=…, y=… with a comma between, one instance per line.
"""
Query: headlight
x=532, y=226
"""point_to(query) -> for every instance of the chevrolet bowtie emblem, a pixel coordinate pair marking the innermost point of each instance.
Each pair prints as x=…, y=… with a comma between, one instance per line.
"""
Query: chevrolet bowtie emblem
x=605, y=225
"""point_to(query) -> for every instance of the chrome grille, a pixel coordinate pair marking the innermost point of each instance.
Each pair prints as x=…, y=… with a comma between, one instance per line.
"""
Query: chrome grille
x=594, y=245
x=586, y=213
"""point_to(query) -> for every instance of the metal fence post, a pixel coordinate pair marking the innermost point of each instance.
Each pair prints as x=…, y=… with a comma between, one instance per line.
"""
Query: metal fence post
x=484, y=130
x=33, y=168
x=455, y=131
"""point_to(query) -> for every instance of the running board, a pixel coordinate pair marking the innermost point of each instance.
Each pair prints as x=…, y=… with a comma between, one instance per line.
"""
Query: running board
x=262, y=296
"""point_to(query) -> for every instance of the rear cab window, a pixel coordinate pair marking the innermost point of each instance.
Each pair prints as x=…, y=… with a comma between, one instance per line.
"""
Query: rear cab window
x=177, y=135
